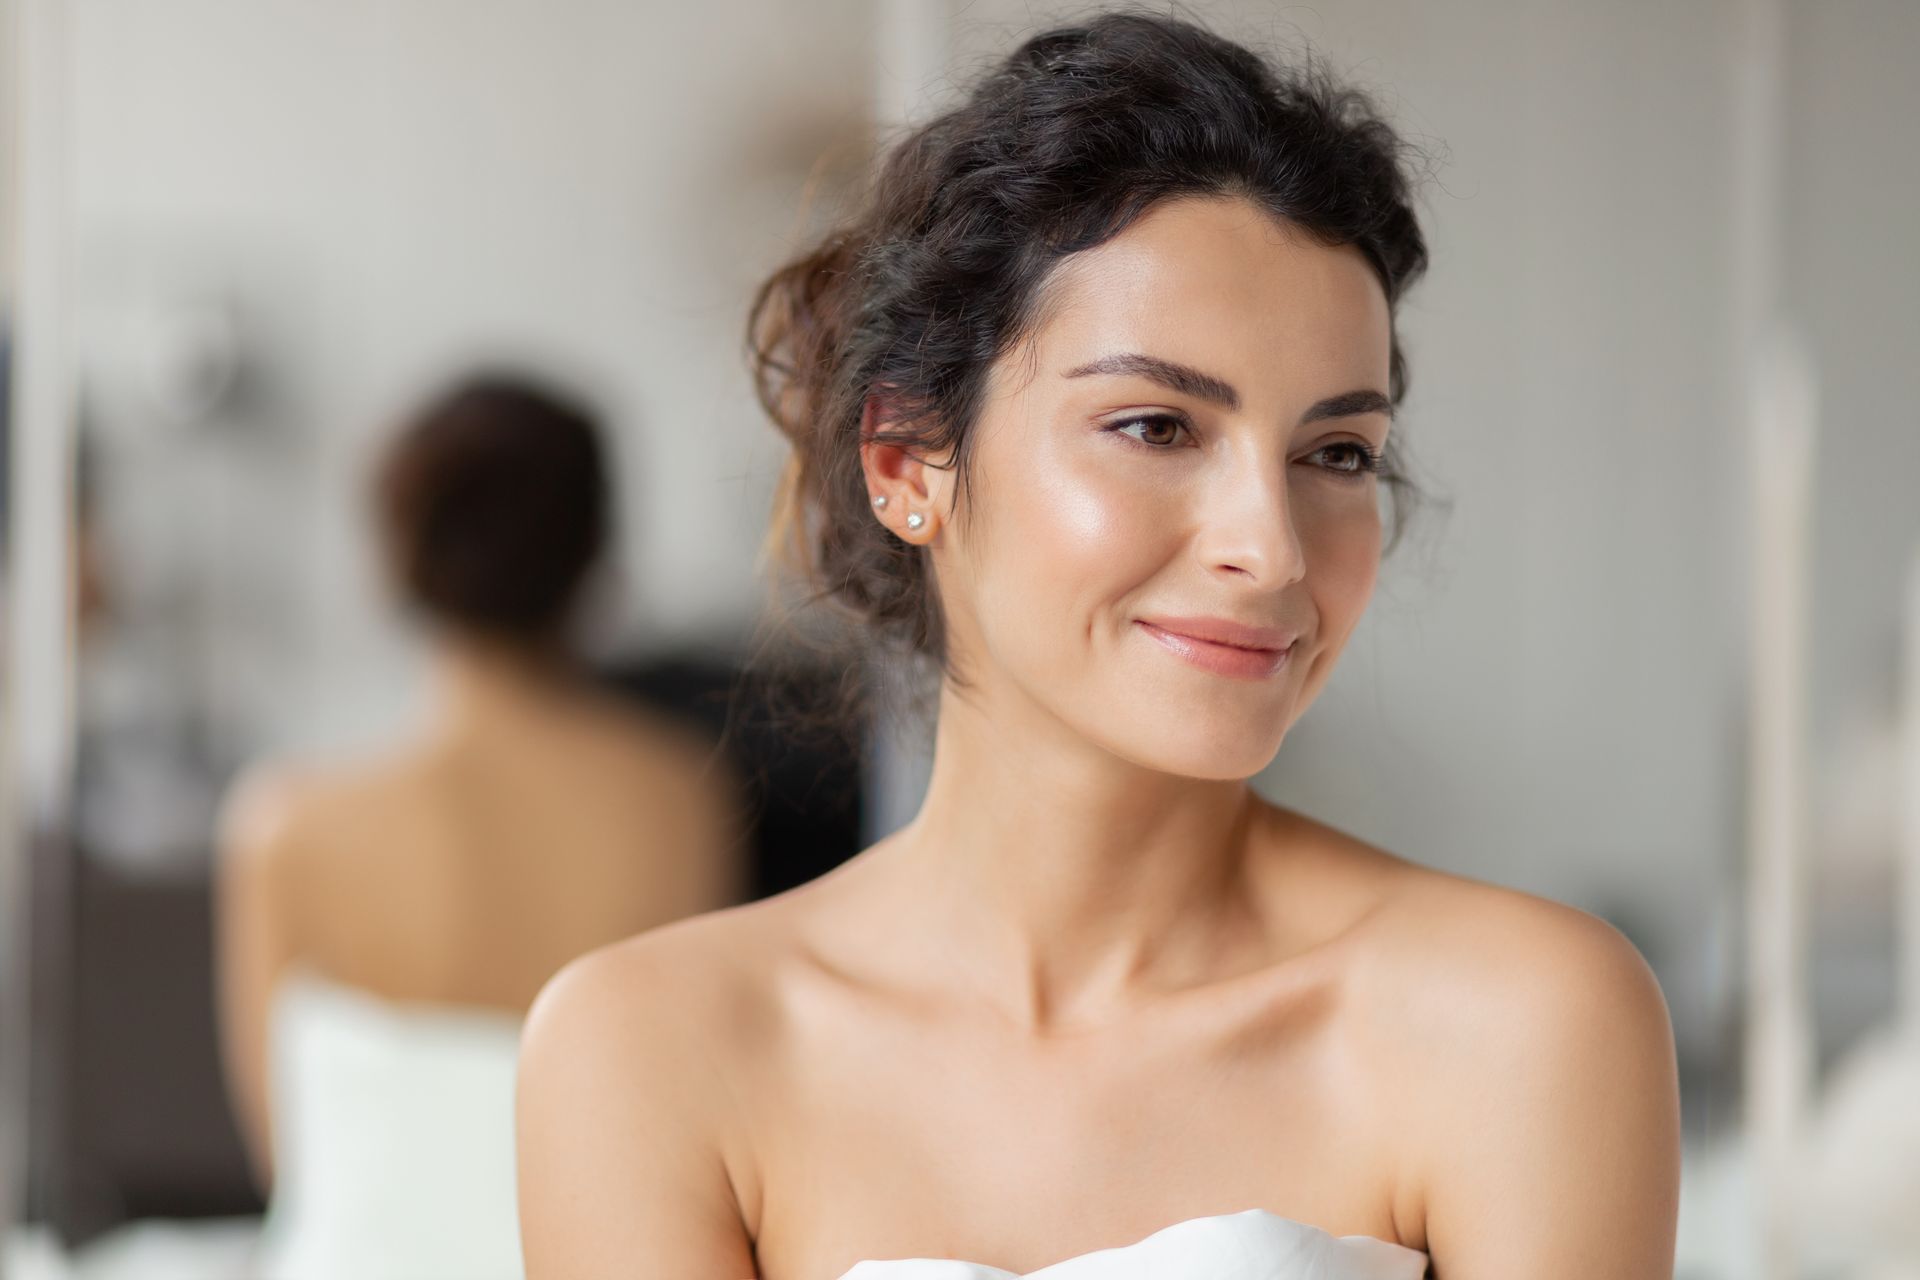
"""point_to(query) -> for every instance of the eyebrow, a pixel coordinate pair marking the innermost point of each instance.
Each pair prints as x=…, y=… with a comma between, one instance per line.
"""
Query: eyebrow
x=1205, y=386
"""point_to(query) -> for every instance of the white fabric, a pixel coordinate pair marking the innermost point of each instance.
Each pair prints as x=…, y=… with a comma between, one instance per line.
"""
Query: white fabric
x=1250, y=1245
x=1861, y=1174
x=393, y=1138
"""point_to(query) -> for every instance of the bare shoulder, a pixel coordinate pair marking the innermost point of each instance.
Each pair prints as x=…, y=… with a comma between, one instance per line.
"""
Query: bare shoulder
x=1481, y=956
x=711, y=984
x=699, y=978
x=265, y=823
x=262, y=806
x=1532, y=984
x=635, y=1100
x=1534, y=1089
x=1530, y=963
x=687, y=997
x=274, y=806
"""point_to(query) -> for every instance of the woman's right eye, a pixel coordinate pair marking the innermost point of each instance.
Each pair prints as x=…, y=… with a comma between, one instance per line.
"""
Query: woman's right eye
x=1153, y=426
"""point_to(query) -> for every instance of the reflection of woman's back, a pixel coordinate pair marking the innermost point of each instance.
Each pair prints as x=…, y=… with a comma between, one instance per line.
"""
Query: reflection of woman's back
x=384, y=924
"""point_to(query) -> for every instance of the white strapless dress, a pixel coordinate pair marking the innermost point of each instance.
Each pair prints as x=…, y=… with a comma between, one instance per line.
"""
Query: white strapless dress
x=1250, y=1245
x=393, y=1138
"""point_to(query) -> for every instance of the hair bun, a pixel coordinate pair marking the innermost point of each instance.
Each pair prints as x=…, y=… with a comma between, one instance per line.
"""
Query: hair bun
x=494, y=503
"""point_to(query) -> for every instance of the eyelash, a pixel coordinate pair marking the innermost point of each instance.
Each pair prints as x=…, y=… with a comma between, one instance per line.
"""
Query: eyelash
x=1372, y=460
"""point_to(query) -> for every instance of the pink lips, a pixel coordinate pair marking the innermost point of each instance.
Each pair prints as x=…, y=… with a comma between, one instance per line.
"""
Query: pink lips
x=1223, y=647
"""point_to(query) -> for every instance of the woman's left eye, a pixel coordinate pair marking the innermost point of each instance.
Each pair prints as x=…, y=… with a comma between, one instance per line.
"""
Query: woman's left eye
x=1154, y=424
x=1358, y=459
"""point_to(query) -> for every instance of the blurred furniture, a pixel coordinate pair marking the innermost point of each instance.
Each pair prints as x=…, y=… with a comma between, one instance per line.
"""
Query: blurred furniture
x=130, y=1115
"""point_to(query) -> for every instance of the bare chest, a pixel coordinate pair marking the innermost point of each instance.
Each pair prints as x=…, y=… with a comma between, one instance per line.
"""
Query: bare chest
x=952, y=1142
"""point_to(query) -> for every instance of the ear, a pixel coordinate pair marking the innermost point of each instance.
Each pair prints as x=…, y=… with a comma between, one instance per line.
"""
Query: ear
x=910, y=485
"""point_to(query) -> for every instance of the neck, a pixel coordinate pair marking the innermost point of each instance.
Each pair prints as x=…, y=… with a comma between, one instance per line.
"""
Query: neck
x=1074, y=876
x=479, y=681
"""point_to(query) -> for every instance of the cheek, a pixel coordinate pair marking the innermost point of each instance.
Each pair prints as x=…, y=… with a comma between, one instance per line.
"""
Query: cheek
x=1082, y=511
x=1073, y=531
x=1340, y=535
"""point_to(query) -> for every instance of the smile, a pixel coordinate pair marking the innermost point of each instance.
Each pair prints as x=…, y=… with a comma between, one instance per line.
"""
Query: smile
x=1222, y=659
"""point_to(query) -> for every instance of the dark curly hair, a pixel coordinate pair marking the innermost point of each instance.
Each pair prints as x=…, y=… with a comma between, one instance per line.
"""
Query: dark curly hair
x=940, y=271
x=493, y=503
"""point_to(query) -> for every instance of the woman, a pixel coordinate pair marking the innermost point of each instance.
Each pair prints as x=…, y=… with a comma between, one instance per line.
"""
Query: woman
x=1091, y=406
x=385, y=923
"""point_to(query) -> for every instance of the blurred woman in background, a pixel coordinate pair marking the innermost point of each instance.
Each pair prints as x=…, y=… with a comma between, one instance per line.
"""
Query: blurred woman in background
x=384, y=923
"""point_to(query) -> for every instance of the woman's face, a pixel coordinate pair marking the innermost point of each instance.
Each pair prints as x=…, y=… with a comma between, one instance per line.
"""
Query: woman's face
x=1184, y=443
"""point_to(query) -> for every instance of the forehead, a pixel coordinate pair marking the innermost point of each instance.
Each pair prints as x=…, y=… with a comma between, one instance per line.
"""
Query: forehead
x=1223, y=285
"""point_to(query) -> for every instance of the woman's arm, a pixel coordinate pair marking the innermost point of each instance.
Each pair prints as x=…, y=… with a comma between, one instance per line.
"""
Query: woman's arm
x=1559, y=1152
x=253, y=947
x=618, y=1108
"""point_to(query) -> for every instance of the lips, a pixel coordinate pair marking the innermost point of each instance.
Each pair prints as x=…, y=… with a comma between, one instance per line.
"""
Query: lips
x=1224, y=658
x=1225, y=631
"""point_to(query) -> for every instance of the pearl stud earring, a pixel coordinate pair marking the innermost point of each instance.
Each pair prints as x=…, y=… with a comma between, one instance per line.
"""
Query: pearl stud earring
x=915, y=520
x=879, y=501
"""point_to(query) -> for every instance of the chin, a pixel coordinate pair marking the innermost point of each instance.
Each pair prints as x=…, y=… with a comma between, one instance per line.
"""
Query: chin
x=1190, y=745
x=1220, y=766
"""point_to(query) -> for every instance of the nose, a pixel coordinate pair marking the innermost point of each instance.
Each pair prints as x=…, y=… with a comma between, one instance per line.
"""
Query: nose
x=1246, y=526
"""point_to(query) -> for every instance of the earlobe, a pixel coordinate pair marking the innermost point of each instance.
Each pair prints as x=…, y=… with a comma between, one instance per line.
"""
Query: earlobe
x=896, y=475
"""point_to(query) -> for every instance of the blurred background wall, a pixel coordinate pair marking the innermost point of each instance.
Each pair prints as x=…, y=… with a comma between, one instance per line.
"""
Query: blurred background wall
x=1852, y=275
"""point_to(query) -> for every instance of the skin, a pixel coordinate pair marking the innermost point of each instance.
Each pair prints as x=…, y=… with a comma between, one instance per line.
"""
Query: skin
x=1098, y=986
x=528, y=823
